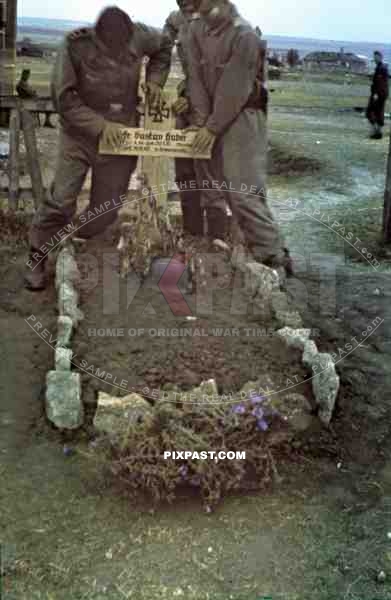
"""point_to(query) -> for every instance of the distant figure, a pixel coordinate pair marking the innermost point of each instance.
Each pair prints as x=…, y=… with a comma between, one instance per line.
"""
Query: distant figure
x=258, y=31
x=378, y=98
x=23, y=88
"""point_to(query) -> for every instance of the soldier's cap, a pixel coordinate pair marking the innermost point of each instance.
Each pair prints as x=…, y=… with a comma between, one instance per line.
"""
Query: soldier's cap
x=378, y=53
x=115, y=22
x=182, y=4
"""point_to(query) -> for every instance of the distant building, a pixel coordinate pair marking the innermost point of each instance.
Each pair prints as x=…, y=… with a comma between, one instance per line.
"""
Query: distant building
x=336, y=61
x=27, y=48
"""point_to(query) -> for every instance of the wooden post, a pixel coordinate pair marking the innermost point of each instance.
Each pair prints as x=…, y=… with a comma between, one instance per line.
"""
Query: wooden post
x=32, y=157
x=13, y=172
x=387, y=201
x=8, y=12
x=157, y=170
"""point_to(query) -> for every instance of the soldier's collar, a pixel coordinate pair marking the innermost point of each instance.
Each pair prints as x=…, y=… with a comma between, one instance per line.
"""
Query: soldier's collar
x=231, y=18
x=130, y=49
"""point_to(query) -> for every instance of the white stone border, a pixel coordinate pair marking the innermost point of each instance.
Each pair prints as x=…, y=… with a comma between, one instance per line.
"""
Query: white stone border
x=64, y=407
x=264, y=286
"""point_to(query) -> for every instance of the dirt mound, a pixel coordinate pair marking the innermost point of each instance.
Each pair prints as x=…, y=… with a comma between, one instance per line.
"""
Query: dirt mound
x=283, y=161
x=130, y=331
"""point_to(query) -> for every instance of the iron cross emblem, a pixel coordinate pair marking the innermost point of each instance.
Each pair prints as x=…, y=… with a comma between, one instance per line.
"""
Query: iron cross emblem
x=159, y=113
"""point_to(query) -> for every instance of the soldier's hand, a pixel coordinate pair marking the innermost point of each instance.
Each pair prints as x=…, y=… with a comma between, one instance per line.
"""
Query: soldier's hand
x=112, y=133
x=203, y=141
x=154, y=94
x=181, y=106
x=375, y=97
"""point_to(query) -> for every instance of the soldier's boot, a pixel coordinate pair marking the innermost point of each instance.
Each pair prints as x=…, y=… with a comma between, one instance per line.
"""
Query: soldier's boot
x=192, y=213
x=217, y=223
x=283, y=264
x=25, y=90
x=288, y=263
x=376, y=132
x=35, y=277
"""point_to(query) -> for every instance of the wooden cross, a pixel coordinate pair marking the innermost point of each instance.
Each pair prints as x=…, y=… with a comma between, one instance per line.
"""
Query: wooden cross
x=156, y=171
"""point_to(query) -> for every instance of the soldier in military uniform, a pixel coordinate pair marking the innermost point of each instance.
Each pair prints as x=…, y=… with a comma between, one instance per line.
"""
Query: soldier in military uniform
x=229, y=98
x=378, y=98
x=176, y=29
x=95, y=91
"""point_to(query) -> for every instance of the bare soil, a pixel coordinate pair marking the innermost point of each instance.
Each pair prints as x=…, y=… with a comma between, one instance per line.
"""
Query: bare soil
x=232, y=349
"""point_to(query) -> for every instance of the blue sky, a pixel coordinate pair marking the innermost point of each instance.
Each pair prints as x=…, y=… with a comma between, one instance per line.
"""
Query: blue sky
x=327, y=19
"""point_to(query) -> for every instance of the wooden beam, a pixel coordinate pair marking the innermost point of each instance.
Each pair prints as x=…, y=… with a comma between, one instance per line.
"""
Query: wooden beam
x=8, y=49
x=43, y=104
x=13, y=169
x=32, y=156
x=387, y=201
x=157, y=170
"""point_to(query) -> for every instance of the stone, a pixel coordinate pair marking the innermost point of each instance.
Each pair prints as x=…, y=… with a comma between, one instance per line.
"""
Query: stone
x=64, y=331
x=262, y=306
x=221, y=246
x=325, y=385
x=239, y=258
x=263, y=387
x=302, y=422
x=280, y=301
x=309, y=354
x=64, y=407
x=291, y=406
x=68, y=299
x=63, y=359
x=206, y=391
x=260, y=280
x=209, y=387
x=283, y=313
x=295, y=410
x=289, y=319
x=250, y=389
x=381, y=577
x=295, y=338
x=67, y=270
x=118, y=416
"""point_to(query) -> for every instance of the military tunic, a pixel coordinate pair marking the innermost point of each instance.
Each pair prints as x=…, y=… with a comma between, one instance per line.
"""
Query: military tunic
x=90, y=87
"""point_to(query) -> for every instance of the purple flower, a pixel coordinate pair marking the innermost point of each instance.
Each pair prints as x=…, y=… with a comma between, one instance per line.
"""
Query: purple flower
x=262, y=425
x=255, y=399
x=258, y=412
x=195, y=481
x=239, y=409
x=183, y=471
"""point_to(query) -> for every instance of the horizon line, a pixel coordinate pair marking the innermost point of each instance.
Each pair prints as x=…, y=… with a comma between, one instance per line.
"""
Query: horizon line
x=280, y=35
